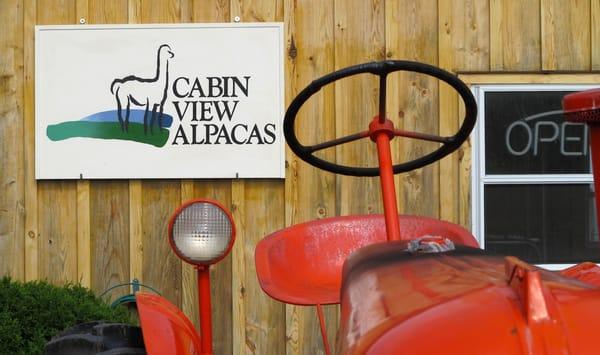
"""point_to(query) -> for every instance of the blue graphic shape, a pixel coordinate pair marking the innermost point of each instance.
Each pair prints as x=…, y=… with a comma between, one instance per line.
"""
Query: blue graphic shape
x=135, y=116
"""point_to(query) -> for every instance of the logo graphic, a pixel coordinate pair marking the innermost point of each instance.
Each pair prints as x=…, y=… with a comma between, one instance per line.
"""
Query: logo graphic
x=151, y=94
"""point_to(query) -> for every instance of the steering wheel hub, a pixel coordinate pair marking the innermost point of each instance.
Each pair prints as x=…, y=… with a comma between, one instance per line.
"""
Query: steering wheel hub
x=376, y=127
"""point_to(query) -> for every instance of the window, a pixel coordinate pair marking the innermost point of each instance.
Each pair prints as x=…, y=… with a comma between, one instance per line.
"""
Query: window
x=532, y=187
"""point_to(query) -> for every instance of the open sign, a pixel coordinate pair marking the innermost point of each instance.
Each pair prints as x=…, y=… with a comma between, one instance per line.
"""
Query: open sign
x=525, y=133
x=572, y=138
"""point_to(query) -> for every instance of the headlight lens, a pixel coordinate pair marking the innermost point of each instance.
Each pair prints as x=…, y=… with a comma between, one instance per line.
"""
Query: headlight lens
x=202, y=232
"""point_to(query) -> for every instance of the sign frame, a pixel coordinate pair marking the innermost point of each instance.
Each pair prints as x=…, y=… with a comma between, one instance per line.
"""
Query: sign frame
x=253, y=137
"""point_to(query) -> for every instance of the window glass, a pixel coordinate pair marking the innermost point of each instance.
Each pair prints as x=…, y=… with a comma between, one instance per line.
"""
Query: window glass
x=525, y=133
x=545, y=224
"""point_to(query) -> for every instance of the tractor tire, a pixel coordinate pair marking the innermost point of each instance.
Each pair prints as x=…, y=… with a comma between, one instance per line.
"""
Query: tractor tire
x=97, y=338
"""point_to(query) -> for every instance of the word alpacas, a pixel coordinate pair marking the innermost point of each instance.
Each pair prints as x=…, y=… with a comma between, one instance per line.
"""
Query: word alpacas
x=151, y=93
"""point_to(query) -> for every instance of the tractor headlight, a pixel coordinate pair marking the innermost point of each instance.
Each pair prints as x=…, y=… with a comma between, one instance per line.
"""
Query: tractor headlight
x=201, y=232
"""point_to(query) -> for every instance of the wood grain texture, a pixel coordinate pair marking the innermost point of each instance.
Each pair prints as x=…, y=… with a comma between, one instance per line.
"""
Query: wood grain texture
x=359, y=38
x=595, y=34
x=211, y=11
x=566, y=35
x=411, y=34
x=136, y=245
x=264, y=325
x=57, y=200
x=107, y=11
x=57, y=206
x=84, y=259
x=515, y=35
x=221, y=274
x=109, y=210
x=12, y=195
x=310, y=192
x=161, y=268
x=463, y=46
x=257, y=10
x=238, y=267
x=164, y=11
x=31, y=192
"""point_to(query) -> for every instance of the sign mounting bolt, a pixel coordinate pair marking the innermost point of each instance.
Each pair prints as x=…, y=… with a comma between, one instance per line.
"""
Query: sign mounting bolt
x=236, y=19
x=82, y=21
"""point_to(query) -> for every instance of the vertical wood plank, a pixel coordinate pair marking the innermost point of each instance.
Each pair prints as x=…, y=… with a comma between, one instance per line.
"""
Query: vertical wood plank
x=136, y=245
x=84, y=259
x=238, y=267
x=57, y=202
x=31, y=189
x=12, y=180
x=260, y=328
x=109, y=200
x=161, y=268
x=134, y=10
x=411, y=34
x=566, y=35
x=309, y=192
x=463, y=46
x=57, y=205
x=359, y=38
x=263, y=318
x=160, y=198
x=515, y=42
x=109, y=207
x=595, y=35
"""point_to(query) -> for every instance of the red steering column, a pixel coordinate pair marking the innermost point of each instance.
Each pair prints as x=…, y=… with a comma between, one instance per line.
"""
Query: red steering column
x=382, y=134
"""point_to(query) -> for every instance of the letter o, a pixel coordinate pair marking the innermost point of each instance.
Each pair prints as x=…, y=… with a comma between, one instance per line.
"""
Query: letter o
x=507, y=138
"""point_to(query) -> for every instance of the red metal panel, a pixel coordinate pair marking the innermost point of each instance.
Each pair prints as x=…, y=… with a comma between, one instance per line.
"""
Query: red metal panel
x=462, y=303
x=165, y=328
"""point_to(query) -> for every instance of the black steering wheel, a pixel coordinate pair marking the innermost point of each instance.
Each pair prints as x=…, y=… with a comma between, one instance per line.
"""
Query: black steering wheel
x=382, y=69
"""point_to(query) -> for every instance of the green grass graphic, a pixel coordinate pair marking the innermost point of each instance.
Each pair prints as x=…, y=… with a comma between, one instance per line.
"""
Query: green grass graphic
x=107, y=130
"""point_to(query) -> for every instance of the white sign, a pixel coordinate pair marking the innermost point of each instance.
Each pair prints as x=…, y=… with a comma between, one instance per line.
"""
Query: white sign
x=159, y=101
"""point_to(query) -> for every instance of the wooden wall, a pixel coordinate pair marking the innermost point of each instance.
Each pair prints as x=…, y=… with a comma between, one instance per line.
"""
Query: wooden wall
x=106, y=232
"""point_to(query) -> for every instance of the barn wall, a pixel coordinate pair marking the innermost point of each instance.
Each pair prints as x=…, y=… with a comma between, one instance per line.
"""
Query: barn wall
x=102, y=233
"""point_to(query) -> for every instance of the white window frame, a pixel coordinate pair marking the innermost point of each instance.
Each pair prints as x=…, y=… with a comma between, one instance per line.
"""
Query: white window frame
x=479, y=178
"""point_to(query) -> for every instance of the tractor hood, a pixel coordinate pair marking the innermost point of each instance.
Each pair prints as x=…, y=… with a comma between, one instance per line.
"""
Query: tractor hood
x=461, y=302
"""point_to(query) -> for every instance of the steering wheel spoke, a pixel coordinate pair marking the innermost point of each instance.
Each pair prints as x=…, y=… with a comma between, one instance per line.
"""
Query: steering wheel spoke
x=381, y=69
x=332, y=143
x=423, y=136
x=382, y=96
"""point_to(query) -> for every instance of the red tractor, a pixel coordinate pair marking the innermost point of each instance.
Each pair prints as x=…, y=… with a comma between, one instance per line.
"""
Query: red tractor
x=406, y=284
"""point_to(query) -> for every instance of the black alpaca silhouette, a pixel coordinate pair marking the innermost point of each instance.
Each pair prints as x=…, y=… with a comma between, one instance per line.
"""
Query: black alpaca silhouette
x=151, y=93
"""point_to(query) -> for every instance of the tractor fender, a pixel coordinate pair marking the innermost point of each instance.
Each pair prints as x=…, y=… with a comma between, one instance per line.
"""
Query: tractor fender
x=165, y=328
